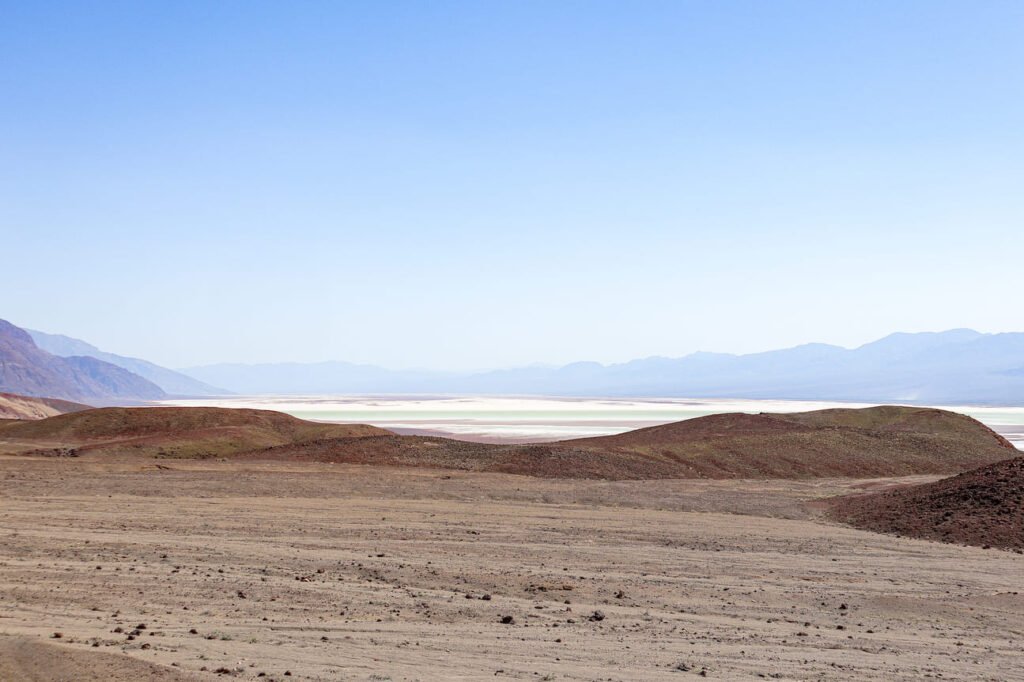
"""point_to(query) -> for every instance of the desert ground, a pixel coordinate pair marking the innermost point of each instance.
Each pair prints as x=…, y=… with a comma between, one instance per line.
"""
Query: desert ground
x=121, y=569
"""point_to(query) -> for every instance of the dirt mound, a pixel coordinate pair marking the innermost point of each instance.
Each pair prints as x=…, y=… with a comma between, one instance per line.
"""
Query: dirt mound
x=831, y=443
x=869, y=442
x=14, y=406
x=169, y=431
x=983, y=507
x=890, y=441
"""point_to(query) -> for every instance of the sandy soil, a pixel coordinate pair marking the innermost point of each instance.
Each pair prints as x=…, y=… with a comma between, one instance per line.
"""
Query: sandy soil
x=331, y=572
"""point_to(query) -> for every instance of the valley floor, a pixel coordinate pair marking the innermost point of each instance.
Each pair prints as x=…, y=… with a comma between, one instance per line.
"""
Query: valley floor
x=332, y=572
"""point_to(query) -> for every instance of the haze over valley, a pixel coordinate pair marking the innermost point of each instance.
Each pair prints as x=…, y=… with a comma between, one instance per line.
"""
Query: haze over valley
x=959, y=366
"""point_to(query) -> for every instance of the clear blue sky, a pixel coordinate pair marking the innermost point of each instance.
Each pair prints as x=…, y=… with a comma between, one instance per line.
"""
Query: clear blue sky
x=478, y=184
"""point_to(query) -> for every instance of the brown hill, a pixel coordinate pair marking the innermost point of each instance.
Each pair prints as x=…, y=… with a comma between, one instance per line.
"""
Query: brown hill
x=872, y=442
x=167, y=432
x=869, y=442
x=26, y=369
x=25, y=407
x=545, y=460
x=983, y=507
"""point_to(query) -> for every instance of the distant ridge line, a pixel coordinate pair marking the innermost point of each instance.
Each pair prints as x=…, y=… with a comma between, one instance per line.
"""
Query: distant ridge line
x=950, y=367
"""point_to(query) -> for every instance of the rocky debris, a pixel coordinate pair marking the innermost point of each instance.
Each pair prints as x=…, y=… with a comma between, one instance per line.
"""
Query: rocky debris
x=712, y=590
x=54, y=452
x=983, y=507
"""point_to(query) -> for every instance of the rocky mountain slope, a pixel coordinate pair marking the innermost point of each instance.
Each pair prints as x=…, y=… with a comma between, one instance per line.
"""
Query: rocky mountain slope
x=171, y=382
x=26, y=369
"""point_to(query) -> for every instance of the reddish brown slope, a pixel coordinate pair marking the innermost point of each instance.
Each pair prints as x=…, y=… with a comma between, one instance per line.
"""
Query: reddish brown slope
x=869, y=442
x=983, y=507
x=170, y=431
x=831, y=443
x=541, y=460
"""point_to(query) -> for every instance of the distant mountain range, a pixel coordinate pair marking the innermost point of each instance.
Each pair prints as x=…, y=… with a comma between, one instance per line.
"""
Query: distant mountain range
x=959, y=365
x=34, y=363
x=171, y=382
x=956, y=366
x=28, y=370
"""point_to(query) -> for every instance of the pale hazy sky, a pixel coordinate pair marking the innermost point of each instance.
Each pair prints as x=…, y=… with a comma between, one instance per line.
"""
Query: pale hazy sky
x=459, y=185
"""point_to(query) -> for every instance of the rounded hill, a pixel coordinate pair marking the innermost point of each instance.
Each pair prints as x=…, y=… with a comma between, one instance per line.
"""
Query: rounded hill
x=983, y=507
x=869, y=442
x=866, y=443
x=171, y=431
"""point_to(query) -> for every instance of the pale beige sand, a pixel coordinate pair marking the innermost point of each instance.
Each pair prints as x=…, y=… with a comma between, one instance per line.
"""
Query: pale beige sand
x=362, y=573
x=27, y=659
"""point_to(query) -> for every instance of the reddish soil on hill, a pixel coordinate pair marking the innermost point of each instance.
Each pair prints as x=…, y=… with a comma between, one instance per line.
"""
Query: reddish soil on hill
x=873, y=442
x=168, y=432
x=983, y=507
x=862, y=443
x=540, y=460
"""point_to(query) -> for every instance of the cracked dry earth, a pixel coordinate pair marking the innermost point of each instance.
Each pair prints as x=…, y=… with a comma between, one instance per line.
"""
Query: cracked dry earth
x=270, y=571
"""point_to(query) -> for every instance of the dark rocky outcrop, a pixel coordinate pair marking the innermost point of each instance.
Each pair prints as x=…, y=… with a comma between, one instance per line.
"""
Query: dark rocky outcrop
x=982, y=507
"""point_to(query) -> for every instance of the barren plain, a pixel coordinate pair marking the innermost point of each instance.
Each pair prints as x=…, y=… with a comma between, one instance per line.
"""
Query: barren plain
x=123, y=569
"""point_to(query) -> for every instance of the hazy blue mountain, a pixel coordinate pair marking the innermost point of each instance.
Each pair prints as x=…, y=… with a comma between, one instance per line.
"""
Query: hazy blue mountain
x=959, y=365
x=26, y=369
x=173, y=383
x=314, y=378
